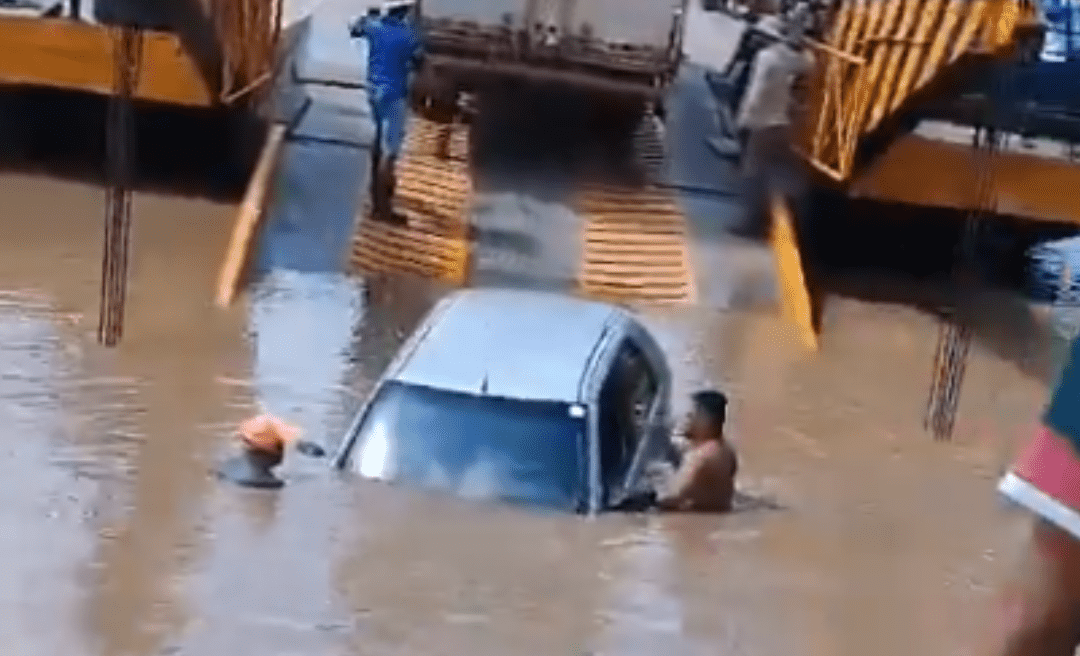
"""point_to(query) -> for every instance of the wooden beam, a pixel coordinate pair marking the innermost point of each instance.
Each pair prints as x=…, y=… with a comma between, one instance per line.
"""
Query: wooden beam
x=249, y=219
x=917, y=170
x=66, y=54
x=794, y=293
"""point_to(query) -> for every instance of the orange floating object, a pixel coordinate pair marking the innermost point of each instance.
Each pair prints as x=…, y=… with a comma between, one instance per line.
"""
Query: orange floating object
x=267, y=433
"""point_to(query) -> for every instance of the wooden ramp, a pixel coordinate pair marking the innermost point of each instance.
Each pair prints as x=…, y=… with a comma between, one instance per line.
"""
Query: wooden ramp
x=635, y=246
x=434, y=193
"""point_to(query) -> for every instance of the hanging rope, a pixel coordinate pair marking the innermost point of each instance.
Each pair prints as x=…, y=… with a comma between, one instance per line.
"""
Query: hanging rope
x=120, y=147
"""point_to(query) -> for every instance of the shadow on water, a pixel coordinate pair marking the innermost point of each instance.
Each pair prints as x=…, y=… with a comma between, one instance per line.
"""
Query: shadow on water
x=192, y=152
x=745, y=502
x=893, y=254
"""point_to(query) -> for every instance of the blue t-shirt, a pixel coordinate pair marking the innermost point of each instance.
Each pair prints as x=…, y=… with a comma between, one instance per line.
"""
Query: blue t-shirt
x=393, y=45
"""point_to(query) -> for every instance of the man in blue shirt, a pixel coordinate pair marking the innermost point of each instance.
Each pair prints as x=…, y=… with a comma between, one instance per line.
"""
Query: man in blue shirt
x=394, y=51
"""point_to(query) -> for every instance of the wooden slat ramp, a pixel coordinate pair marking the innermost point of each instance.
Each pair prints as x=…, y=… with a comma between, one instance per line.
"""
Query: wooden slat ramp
x=635, y=246
x=434, y=192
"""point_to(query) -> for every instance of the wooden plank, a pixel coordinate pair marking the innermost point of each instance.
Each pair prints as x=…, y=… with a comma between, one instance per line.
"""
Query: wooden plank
x=869, y=79
x=853, y=84
x=897, y=50
x=67, y=54
x=916, y=52
x=946, y=35
x=859, y=14
x=249, y=219
x=795, y=301
x=973, y=20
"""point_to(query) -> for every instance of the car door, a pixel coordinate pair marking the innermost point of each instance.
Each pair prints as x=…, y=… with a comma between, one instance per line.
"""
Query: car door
x=629, y=401
x=653, y=417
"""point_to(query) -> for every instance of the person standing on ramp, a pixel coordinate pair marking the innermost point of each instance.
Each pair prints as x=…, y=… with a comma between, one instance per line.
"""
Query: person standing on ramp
x=395, y=50
x=764, y=120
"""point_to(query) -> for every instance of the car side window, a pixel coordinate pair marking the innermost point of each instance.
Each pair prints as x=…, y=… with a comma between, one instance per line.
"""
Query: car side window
x=625, y=400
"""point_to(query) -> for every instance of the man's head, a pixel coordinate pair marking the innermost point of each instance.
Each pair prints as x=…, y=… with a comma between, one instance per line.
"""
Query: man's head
x=707, y=416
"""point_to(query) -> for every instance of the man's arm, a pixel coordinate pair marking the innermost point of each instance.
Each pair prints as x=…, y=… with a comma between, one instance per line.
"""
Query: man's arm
x=682, y=483
x=361, y=27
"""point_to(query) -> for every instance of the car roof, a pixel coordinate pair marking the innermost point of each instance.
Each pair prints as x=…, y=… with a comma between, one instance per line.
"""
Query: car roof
x=524, y=344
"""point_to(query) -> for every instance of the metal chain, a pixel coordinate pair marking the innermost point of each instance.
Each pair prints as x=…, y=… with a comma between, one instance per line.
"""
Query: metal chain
x=954, y=334
x=120, y=147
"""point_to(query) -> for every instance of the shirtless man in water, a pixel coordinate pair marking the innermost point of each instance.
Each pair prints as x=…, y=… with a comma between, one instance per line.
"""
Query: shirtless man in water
x=705, y=479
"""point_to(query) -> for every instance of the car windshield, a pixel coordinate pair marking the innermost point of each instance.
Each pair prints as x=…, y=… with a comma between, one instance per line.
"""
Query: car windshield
x=474, y=446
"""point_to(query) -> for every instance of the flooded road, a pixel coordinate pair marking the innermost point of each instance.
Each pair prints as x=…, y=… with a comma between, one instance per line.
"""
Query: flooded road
x=860, y=535
x=121, y=543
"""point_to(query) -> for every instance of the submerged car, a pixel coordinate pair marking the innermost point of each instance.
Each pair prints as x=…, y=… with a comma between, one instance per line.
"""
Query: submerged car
x=527, y=397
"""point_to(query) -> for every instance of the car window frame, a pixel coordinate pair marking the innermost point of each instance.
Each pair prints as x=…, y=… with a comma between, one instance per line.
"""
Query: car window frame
x=614, y=486
x=651, y=445
x=345, y=460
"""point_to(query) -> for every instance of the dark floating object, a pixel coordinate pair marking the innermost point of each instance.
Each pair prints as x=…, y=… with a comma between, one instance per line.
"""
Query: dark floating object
x=250, y=470
x=310, y=449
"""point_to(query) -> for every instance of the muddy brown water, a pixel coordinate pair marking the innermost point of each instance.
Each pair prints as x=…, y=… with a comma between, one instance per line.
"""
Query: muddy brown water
x=118, y=541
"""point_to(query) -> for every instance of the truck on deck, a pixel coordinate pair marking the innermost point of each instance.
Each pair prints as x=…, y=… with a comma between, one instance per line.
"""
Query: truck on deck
x=605, y=47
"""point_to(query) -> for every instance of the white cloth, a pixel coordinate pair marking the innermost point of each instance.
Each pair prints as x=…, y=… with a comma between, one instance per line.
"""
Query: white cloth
x=767, y=101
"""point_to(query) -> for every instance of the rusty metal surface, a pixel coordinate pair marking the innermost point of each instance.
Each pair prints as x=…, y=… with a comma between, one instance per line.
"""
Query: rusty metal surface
x=477, y=72
x=119, y=133
x=66, y=54
x=434, y=193
x=567, y=29
x=880, y=57
x=219, y=52
x=498, y=43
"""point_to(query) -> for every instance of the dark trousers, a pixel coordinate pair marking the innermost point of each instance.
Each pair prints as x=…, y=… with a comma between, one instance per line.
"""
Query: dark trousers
x=768, y=168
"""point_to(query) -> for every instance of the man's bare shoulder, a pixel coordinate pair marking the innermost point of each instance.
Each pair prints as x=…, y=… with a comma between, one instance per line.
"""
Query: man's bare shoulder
x=719, y=455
